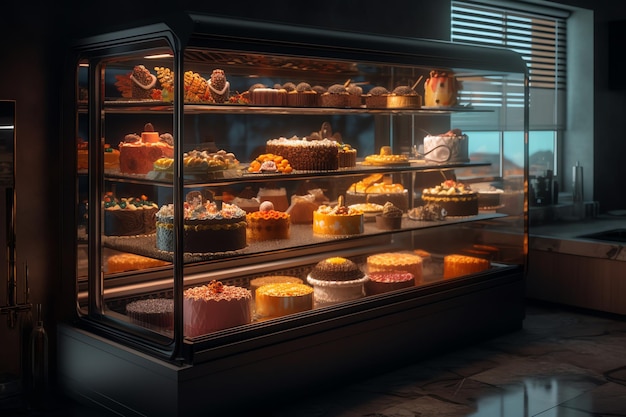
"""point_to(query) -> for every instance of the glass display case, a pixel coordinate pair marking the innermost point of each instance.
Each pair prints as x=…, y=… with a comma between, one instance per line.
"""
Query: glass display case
x=185, y=130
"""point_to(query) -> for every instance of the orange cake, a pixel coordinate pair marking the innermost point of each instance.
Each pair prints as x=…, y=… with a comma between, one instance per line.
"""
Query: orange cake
x=456, y=198
x=138, y=156
x=381, y=282
x=129, y=261
x=378, y=189
x=396, y=261
x=337, y=279
x=111, y=156
x=458, y=265
x=267, y=223
x=212, y=307
x=440, y=89
x=280, y=299
x=272, y=279
x=337, y=221
x=153, y=313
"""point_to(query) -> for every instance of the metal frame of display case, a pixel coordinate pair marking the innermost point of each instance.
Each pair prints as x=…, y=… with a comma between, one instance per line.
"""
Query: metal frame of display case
x=300, y=350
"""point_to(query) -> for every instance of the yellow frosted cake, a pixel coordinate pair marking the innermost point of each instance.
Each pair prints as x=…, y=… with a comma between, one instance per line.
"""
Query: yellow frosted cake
x=456, y=265
x=283, y=298
x=396, y=261
x=337, y=221
x=129, y=261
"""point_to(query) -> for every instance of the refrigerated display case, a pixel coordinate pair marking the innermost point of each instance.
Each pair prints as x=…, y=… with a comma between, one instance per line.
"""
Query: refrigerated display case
x=108, y=356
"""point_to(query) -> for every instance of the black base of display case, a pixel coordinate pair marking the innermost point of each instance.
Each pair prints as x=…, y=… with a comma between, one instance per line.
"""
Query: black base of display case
x=95, y=369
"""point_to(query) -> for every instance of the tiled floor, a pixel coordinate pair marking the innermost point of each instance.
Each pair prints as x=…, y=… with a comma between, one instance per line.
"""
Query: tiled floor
x=563, y=363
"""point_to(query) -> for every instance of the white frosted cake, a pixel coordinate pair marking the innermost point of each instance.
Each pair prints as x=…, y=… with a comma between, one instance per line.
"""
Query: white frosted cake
x=451, y=146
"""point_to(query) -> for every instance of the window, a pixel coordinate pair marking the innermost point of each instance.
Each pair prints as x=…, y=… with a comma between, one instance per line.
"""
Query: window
x=539, y=35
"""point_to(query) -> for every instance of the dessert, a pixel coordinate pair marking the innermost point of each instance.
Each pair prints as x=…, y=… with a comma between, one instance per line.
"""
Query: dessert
x=277, y=196
x=206, y=228
x=440, y=89
x=428, y=212
x=369, y=210
x=456, y=198
x=403, y=97
x=376, y=98
x=281, y=164
x=346, y=155
x=138, y=157
x=336, y=279
x=128, y=216
x=335, y=96
x=378, y=189
x=386, y=157
x=256, y=283
x=303, y=96
x=303, y=154
x=153, y=313
x=130, y=262
x=337, y=221
x=142, y=82
x=212, y=307
x=396, y=261
x=261, y=95
x=281, y=299
x=451, y=146
x=267, y=223
x=219, y=87
x=355, y=95
x=201, y=164
x=489, y=197
x=456, y=265
x=381, y=282
x=390, y=218
x=111, y=156
x=302, y=206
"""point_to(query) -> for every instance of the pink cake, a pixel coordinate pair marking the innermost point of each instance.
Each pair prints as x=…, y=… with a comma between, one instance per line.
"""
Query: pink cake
x=212, y=307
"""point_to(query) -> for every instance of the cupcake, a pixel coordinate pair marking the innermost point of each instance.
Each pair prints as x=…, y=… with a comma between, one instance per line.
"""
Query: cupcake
x=390, y=218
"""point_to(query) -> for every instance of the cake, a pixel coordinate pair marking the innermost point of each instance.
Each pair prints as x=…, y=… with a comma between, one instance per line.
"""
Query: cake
x=386, y=157
x=267, y=224
x=346, y=155
x=303, y=96
x=378, y=189
x=212, y=307
x=219, y=87
x=376, y=98
x=355, y=95
x=396, y=261
x=428, y=212
x=263, y=96
x=281, y=299
x=142, y=82
x=302, y=208
x=138, y=156
x=489, y=197
x=131, y=262
x=336, y=279
x=456, y=265
x=337, y=221
x=256, y=283
x=369, y=210
x=153, y=313
x=303, y=154
x=451, y=146
x=277, y=196
x=382, y=282
x=440, y=89
x=404, y=97
x=390, y=218
x=335, y=96
x=206, y=227
x=129, y=216
x=202, y=164
x=455, y=198
x=111, y=157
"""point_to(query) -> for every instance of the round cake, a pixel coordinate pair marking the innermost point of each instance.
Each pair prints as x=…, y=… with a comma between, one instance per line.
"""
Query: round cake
x=451, y=146
x=369, y=210
x=272, y=279
x=201, y=164
x=303, y=96
x=308, y=155
x=335, y=96
x=153, y=313
x=264, y=96
x=440, y=89
x=386, y=157
x=378, y=189
x=131, y=216
x=396, y=261
x=404, y=97
x=281, y=299
x=336, y=279
x=267, y=223
x=390, y=218
x=456, y=265
x=376, y=98
x=206, y=228
x=381, y=282
x=139, y=152
x=337, y=221
x=212, y=307
x=454, y=197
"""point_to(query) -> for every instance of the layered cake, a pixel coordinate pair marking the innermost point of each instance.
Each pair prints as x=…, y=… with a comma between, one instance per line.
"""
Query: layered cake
x=454, y=197
x=303, y=154
x=451, y=146
x=390, y=218
x=153, y=313
x=206, y=228
x=456, y=265
x=139, y=152
x=378, y=189
x=281, y=299
x=396, y=261
x=303, y=95
x=382, y=282
x=440, y=89
x=129, y=216
x=267, y=224
x=276, y=196
x=386, y=157
x=142, y=82
x=337, y=221
x=130, y=262
x=212, y=307
x=335, y=280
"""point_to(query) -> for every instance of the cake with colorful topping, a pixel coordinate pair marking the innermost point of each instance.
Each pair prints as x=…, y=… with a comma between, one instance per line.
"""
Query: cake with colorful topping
x=207, y=228
x=337, y=279
x=283, y=298
x=267, y=223
x=456, y=198
x=337, y=220
x=139, y=152
x=212, y=307
x=129, y=216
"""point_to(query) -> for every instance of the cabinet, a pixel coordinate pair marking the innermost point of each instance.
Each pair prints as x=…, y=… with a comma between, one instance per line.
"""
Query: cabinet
x=336, y=341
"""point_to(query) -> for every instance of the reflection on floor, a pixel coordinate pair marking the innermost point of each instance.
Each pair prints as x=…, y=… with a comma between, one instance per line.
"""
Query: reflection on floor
x=563, y=363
